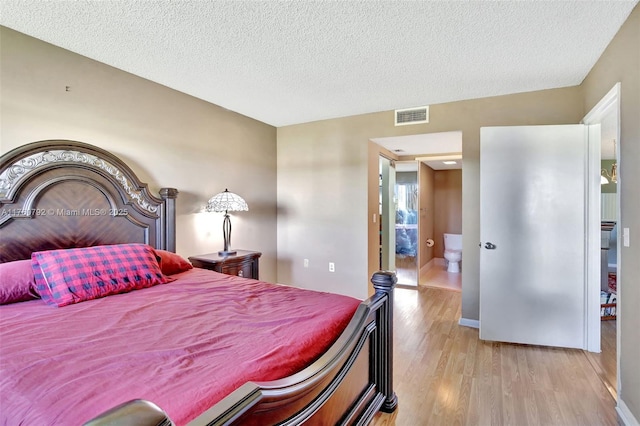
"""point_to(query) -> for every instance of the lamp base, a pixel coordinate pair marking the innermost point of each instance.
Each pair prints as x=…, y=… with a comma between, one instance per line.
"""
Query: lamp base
x=227, y=253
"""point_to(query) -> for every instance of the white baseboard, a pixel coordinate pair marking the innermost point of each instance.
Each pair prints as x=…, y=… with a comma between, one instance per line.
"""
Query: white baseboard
x=628, y=419
x=430, y=264
x=469, y=323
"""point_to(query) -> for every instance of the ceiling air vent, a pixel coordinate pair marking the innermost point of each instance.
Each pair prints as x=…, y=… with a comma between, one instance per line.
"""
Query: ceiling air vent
x=412, y=116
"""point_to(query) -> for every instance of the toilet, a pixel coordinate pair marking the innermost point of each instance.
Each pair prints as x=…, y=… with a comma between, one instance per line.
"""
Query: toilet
x=453, y=251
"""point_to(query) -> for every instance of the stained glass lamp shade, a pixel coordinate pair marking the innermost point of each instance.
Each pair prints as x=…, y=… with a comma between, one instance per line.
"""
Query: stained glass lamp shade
x=226, y=202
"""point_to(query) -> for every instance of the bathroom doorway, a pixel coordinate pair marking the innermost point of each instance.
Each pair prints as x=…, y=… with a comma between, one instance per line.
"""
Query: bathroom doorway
x=444, y=182
x=437, y=161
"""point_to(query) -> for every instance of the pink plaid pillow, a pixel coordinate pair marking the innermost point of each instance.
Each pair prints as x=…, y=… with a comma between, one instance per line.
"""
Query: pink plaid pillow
x=70, y=276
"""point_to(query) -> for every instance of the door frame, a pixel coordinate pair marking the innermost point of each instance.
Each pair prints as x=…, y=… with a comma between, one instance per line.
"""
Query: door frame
x=609, y=103
x=387, y=184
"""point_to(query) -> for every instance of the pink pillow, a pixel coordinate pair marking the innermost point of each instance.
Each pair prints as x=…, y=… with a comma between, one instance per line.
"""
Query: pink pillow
x=17, y=282
x=70, y=276
x=172, y=263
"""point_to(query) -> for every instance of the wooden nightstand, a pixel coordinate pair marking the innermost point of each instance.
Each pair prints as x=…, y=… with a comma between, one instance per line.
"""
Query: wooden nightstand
x=243, y=264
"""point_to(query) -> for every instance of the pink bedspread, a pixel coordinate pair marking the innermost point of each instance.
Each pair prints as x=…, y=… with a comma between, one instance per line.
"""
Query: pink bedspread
x=183, y=345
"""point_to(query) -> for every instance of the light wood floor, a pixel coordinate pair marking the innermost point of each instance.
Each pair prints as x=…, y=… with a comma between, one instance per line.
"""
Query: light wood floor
x=604, y=363
x=407, y=270
x=445, y=375
x=437, y=276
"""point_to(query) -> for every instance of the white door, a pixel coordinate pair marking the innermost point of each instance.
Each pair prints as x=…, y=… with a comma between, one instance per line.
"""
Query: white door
x=532, y=227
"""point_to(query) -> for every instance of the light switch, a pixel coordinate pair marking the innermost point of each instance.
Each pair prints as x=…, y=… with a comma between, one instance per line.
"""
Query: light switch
x=625, y=237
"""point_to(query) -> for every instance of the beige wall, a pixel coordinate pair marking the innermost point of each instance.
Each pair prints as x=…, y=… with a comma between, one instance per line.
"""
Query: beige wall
x=167, y=138
x=448, y=207
x=621, y=63
x=427, y=211
x=324, y=182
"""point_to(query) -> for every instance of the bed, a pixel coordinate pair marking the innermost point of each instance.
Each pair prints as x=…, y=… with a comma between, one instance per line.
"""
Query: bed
x=66, y=196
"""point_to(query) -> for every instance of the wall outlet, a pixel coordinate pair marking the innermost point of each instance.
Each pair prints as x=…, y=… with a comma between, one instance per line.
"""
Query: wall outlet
x=306, y=263
x=332, y=267
x=375, y=218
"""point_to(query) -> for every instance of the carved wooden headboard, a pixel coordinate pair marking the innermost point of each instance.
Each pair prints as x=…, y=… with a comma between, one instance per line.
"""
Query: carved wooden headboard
x=62, y=194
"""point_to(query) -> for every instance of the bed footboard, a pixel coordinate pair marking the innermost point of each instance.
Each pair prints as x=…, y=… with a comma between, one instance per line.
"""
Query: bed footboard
x=133, y=413
x=348, y=385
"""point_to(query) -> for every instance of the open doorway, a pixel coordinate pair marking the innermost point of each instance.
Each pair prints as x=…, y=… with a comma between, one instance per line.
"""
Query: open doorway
x=444, y=178
x=428, y=201
x=604, y=358
x=398, y=217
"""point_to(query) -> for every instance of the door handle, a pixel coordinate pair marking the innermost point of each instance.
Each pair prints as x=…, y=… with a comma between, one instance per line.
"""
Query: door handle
x=490, y=246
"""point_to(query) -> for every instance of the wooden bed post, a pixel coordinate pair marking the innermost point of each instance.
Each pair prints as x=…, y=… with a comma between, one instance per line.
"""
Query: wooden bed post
x=169, y=196
x=383, y=283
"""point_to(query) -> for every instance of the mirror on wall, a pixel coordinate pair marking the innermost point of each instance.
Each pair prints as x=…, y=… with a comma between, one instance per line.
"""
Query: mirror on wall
x=406, y=222
x=387, y=214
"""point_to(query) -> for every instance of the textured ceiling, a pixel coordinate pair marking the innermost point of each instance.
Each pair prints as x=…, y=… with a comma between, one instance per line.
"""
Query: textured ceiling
x=298, y=61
